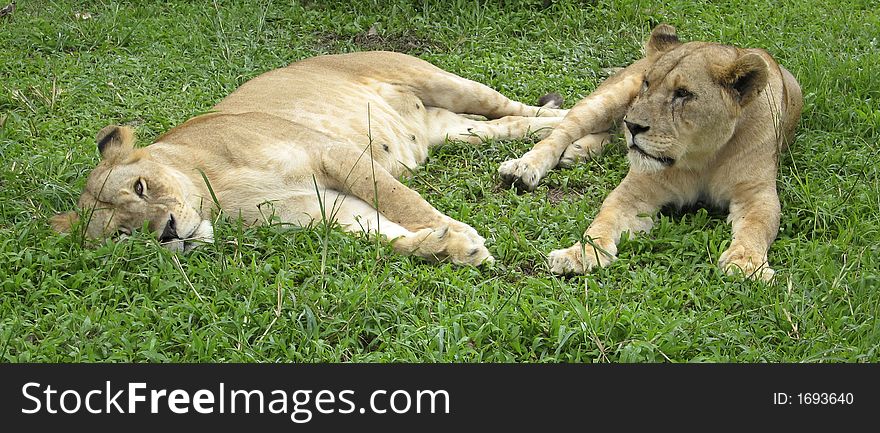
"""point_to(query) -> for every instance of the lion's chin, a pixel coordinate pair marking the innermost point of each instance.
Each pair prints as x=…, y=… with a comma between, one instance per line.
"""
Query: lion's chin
x=641, y=163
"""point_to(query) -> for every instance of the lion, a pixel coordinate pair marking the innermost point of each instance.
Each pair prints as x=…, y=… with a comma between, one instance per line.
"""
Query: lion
x=323, y=139
x=704, y=123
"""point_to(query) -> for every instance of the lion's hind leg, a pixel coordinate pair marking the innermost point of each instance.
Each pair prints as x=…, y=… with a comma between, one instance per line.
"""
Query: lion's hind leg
x=586, y=147
x=443, y=124
x=445, y=90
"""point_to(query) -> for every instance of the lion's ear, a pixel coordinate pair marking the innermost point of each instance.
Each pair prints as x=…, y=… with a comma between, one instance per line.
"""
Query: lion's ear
x=114, y=141
x=663, y=38
x=745, y=77
x=62, y=222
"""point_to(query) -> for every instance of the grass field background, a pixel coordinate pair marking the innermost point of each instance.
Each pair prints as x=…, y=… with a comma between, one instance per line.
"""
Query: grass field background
x=261, y=294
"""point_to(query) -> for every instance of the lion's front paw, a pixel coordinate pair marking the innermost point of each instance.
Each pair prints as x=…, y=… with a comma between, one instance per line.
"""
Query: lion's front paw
x=465, y=230
x=578, y=259
x=458, y=243
x=737, y=259
x=520, y=173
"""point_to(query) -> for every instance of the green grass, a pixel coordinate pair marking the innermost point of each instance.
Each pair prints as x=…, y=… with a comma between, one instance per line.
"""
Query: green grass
x=261, y=294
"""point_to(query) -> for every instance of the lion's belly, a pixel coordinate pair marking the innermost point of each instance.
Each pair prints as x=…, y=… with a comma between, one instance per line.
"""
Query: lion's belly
x=382, y=119
x=374, y=122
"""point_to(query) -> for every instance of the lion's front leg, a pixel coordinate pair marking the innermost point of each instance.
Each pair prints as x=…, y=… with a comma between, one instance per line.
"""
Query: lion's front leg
x=595, y=114
x=446, y=243
x=527, y=171
x=433, y=234
x=629, y=208
x=581, y=258
x=754, y=217
x=445, y=239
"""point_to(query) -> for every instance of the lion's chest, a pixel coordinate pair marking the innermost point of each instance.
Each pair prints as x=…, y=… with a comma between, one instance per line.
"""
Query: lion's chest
x=693, y=188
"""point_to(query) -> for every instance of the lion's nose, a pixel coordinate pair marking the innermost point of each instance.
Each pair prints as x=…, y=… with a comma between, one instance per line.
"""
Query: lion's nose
x=170, y=231
x=635, y=128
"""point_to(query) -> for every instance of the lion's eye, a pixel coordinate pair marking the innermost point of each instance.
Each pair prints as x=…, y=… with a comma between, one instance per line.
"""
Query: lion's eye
x=644, y=85
x=682, y=93
x=139, y=188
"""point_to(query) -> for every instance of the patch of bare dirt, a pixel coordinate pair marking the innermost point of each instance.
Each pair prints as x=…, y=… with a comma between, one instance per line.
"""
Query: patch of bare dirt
x=373, y=41
x=528, y=269
x=556, y=195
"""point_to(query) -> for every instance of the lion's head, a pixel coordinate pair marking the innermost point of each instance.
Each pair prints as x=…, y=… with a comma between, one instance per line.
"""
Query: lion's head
x=128, y=191
x=692, y=98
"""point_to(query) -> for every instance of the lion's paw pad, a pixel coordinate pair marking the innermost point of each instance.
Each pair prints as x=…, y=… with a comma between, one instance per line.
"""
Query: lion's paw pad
x=736, y=260
x=520, y=173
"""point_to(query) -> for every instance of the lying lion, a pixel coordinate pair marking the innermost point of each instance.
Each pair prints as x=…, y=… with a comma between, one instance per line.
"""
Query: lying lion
x=704, y=122
x=341, y=127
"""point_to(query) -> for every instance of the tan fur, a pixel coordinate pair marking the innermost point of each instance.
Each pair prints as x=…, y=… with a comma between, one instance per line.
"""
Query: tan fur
x=341, y=127
x=702, y=121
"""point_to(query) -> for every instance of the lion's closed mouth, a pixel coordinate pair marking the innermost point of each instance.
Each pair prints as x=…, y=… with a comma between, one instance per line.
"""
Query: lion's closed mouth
x=183, y=245
x=665, y=160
